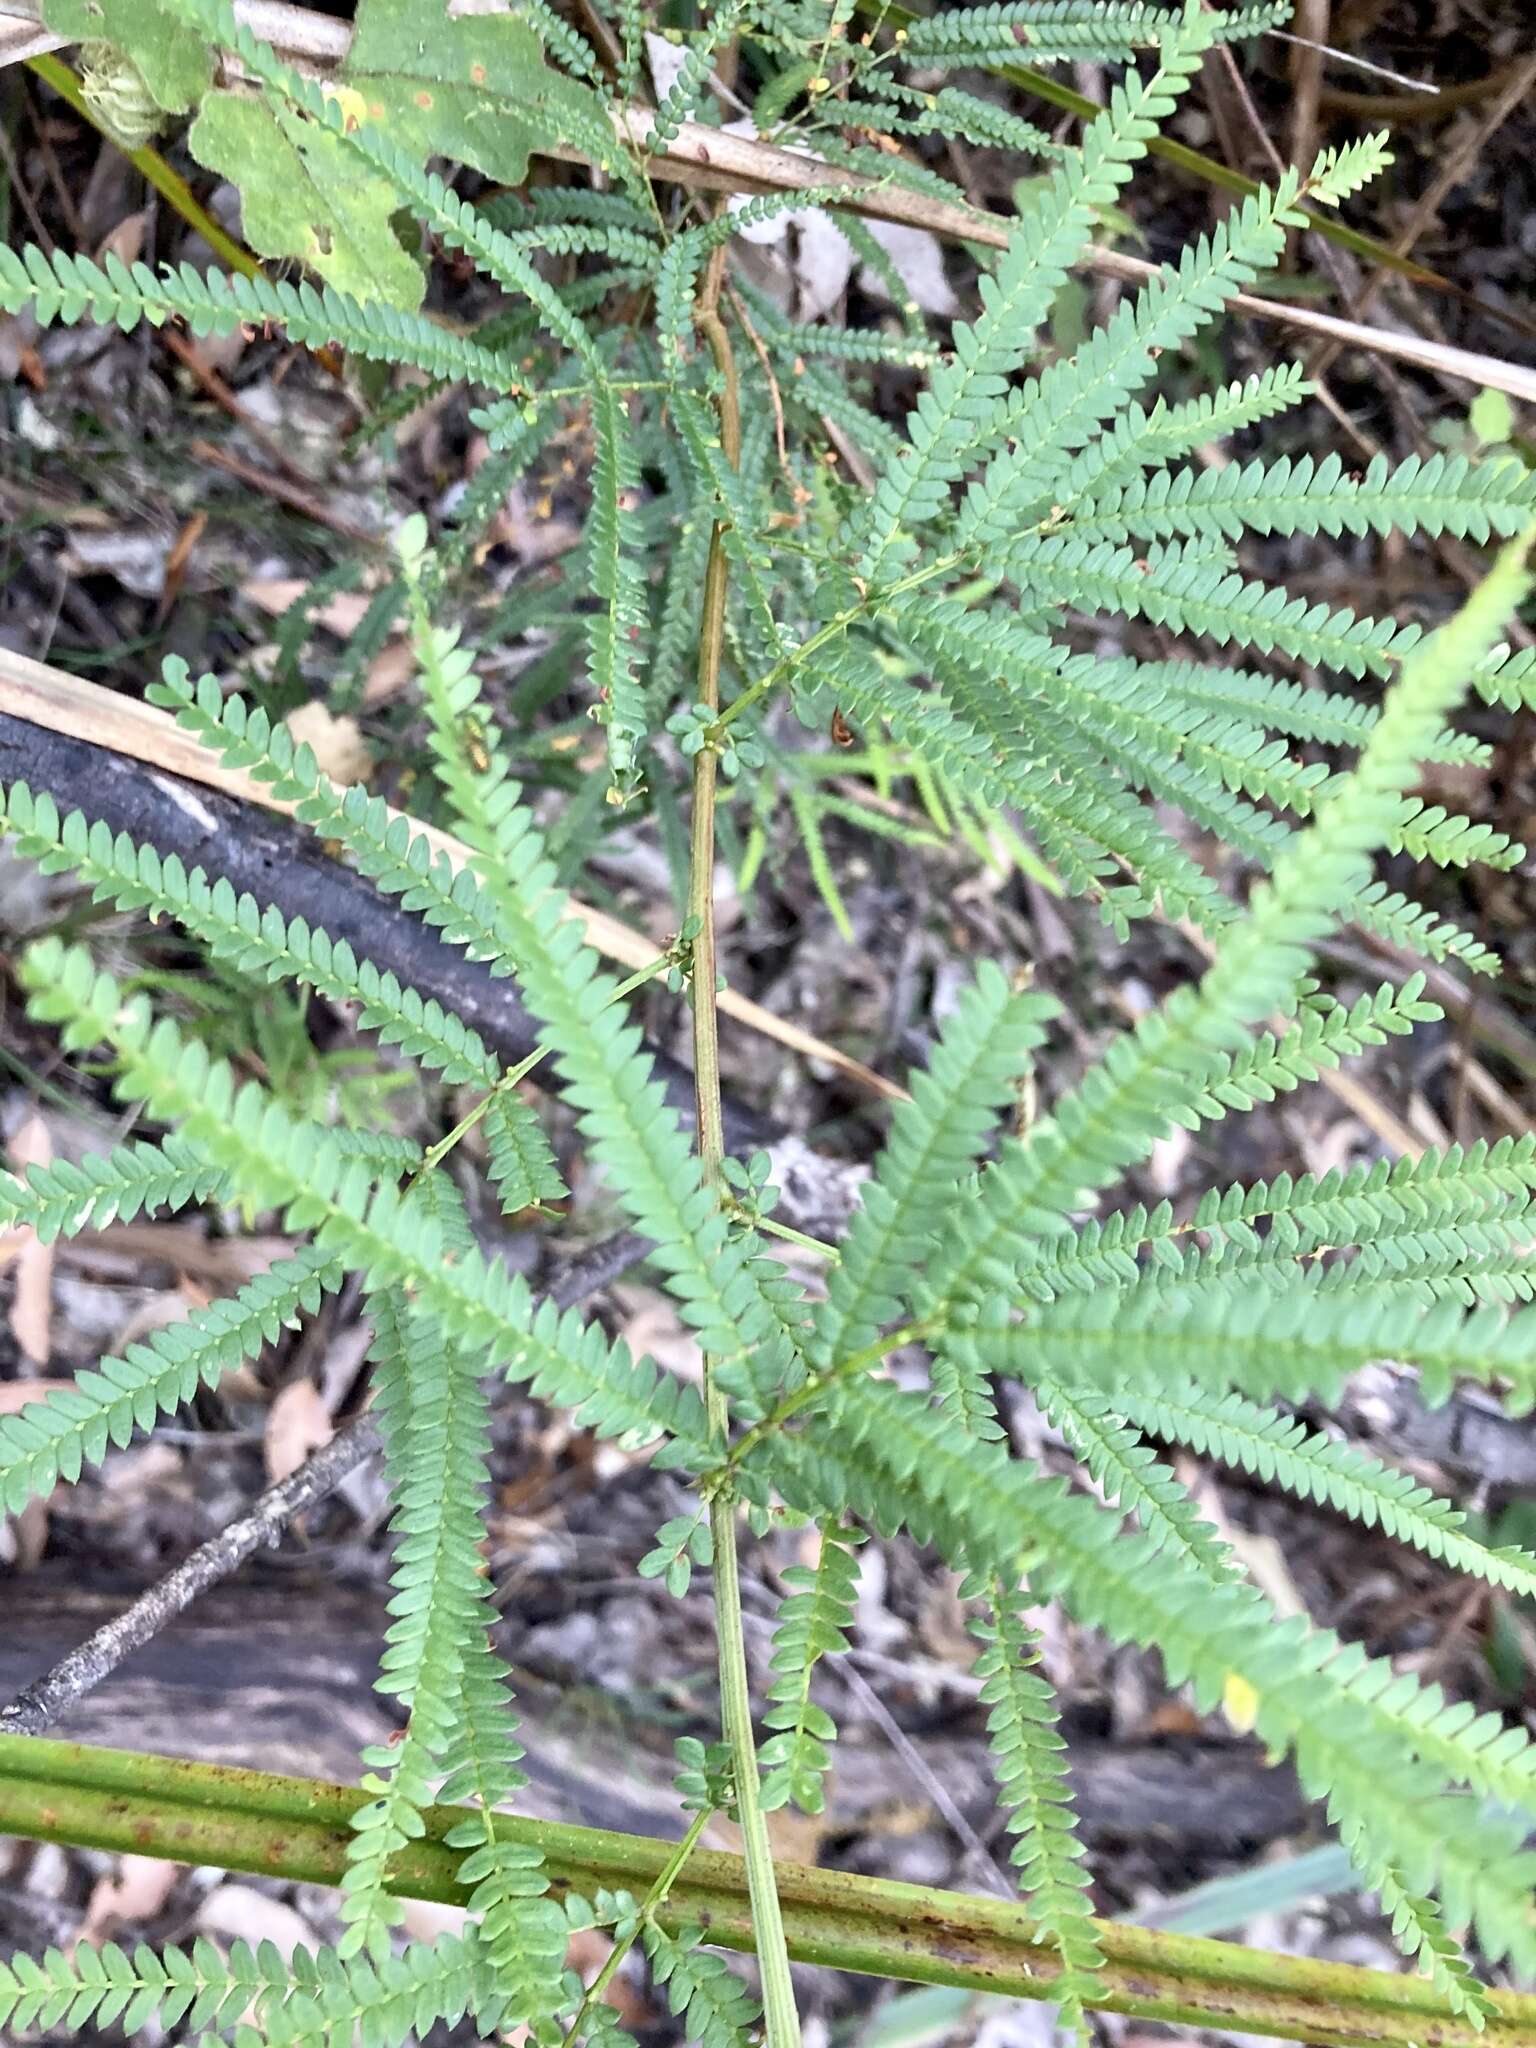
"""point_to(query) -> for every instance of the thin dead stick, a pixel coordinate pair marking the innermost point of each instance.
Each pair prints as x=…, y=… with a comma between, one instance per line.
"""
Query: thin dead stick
x=304, y=502
x=186, y=354
x=1491, y=1022
x=926, y=1778
x=1312, y=17
x=715, y=161
x=737, y=163
x=50, y=698
x=1357, y=63
x=1414, y=106
x=39, y=1705
x=1521, y=83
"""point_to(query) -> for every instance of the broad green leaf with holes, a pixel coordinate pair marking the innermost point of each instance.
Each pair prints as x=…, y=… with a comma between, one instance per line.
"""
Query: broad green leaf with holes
x=175, y=66
x=304, y=194
x=475, y=88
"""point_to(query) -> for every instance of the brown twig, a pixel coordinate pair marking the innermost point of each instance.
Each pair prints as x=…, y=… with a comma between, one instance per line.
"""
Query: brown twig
x=294, y=495
x=18, y=185
x=186, y=354
x=714, y=160
x=279, y=863
x=41, y=1703
x=1311, y=20
x=1419, y=106
x=38, y=1705
x=1521, y=81
x=765, y=361
x=722, y=162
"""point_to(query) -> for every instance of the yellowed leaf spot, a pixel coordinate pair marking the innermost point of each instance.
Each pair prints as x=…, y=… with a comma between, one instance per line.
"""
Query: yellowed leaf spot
x=354, y=108
x=1240, y=1701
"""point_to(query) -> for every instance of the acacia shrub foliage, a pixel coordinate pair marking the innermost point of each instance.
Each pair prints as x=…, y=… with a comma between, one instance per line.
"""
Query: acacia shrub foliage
x=934, y=610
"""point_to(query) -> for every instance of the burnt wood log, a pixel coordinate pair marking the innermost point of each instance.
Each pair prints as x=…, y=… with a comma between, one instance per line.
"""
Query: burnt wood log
x=280, y=862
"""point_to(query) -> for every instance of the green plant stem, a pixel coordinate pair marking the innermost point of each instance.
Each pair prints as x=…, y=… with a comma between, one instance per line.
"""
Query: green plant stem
x=434, y=1156
x=299, y=1829
x=650, y=1905
x=849, y=616
x=781, y=2018
x=153, y=168
x=770, y=1228
x=845, y=1369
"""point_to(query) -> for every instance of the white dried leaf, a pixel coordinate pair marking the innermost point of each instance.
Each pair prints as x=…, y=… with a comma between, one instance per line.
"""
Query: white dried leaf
x=666, y=60
x=918, y=260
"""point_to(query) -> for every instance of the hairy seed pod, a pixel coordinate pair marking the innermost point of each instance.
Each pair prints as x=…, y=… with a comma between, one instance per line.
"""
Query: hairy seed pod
x=113, y=88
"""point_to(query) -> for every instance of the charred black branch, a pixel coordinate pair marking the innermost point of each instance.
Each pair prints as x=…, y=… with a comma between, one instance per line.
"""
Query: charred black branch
x=280, y=862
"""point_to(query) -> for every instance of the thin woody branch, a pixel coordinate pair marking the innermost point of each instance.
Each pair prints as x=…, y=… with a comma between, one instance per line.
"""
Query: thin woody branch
x=713, y=161
x=56, y=702
x=220, y=823
x=39, y=1704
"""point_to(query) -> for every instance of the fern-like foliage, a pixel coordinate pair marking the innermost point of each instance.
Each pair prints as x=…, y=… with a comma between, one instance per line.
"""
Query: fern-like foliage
x=434, y=1418
x=953, y=415
x=237, y=929
x=909, y=1465
x=906, y=1466
x=56, y=1438
x=1280, y=1450
x=1131, y=1475
x=933, y=1141
x=61, y=1198
x=620, y=622
x=1454, y=1223
x=1029, y=1758
x=813, y=1622
x=929, y=610
x=715, y=2007
x=276, y=1160
x=307, y=1998
x=1058, y=29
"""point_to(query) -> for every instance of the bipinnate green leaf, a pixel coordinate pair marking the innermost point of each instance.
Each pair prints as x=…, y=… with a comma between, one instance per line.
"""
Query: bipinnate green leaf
x=298, y=2001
